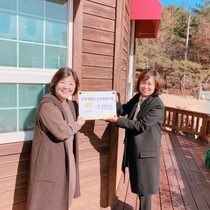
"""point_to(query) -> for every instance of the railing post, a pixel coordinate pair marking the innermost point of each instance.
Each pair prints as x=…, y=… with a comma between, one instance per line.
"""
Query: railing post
x=174, y=121
x=205, y=129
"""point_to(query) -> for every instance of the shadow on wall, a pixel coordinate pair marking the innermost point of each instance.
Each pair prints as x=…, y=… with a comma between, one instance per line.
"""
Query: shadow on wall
x=100, y=143
x=30, y=119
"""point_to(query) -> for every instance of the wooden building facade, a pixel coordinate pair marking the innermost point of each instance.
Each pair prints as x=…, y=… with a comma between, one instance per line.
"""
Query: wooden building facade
x=100, y=52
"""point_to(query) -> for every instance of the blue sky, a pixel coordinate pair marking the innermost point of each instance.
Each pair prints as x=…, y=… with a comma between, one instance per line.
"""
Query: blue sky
x=188, y=3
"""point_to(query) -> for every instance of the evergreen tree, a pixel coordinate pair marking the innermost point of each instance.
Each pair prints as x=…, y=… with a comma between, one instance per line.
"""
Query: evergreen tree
x=167, y=52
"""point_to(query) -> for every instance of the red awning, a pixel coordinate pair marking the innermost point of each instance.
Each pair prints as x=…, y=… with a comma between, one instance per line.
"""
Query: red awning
x=147, y=14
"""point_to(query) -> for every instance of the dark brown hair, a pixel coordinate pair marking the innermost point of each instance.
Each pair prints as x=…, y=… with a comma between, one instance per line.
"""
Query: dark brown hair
x=145, y=75
x=62, y=73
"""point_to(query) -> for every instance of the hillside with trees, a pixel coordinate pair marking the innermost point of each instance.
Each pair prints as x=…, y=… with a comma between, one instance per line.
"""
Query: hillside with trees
x=181, y=52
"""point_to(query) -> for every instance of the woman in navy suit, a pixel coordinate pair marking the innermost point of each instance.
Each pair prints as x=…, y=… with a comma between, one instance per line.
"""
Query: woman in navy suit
x=145, y=112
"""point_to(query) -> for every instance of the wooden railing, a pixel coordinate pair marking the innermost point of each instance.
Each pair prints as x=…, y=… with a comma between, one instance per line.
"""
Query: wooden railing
x=187, y=122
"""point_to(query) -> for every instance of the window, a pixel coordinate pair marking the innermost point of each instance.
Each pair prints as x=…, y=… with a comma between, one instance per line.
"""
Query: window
x=33, y=46
x=19, y=105
x=33, y=34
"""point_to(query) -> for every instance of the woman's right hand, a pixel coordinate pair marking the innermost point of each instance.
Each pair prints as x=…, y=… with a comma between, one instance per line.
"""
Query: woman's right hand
x=111, y=119
x=80, y=120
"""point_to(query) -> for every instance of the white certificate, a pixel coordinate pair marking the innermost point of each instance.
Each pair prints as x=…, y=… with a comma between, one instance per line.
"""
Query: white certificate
x=97, y=104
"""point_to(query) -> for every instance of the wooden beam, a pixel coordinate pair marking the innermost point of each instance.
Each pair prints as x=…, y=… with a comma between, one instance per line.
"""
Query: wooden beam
x=116, y=86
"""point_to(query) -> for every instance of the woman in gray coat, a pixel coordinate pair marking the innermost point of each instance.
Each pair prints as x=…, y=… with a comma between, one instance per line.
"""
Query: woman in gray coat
x=145, y=112
x=54, y=175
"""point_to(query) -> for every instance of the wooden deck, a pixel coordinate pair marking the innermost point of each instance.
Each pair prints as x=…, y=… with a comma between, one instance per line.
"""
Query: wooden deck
x=184, y=178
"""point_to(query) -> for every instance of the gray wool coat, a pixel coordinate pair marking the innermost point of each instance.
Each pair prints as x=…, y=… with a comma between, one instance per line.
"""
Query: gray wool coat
x=142, y=142
x=54, y=174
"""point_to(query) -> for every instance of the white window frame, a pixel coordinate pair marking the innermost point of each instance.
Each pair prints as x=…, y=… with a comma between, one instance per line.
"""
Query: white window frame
x=34, y=76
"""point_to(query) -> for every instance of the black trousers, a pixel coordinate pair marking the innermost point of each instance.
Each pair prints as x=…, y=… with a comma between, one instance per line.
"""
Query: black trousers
x=145, y=202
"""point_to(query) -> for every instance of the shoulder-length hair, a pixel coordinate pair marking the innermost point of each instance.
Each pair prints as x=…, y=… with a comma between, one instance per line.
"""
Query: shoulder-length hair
x=145, y=75
x=62, y=73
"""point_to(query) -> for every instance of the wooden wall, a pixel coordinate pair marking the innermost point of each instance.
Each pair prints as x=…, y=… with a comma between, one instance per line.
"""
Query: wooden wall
x=100, y=56
x=121, y=86
x=14, y=164
x=101, y=43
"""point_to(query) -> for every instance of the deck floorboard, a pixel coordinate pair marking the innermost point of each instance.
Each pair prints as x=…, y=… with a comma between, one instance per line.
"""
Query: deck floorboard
x=184, y=177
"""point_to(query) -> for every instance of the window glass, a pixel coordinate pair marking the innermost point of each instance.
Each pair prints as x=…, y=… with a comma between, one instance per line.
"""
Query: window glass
x=56, y=9
x=8, y=120
x=27, y=119
x=56, y=33
x=32, y=7
x=8, y=95
x=46, y=88
x=8, y=4
x=55, y=57
x=30, y=29
x=33, y=36
x=32, y=23
x=8, y=53
x=29, y=95
x=19, y=113
x=8, y=29
x=31, y=55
